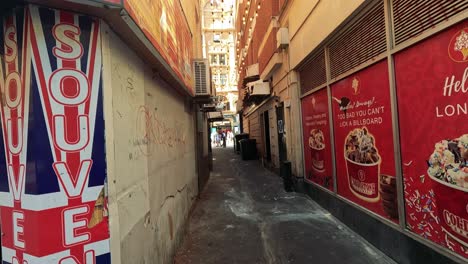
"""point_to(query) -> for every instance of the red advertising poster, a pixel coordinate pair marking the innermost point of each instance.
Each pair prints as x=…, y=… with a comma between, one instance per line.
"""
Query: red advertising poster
x=317, y=148
x=432, y=93
x=164, y=24
x=364, y=140
x=113, y=1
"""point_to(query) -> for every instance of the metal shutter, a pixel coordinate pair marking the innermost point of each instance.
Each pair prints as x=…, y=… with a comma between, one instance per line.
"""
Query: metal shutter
x=363, y=40
x=413, y=17
x=313, y=74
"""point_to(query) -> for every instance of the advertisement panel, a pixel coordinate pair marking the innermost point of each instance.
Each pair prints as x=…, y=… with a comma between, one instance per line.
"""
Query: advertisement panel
x=317, y=147
x=432, y=90
x=52, y=161
x=92, y=2
x=164, y=24
x=362, y=123
x=117, y=2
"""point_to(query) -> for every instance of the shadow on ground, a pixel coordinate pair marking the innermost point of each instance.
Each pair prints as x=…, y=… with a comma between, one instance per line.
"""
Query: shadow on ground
x=245, y=216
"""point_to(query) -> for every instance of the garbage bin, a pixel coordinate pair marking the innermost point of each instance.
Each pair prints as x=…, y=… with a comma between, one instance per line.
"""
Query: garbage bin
x=248, y=149
x=237, y=138
x=286, y=173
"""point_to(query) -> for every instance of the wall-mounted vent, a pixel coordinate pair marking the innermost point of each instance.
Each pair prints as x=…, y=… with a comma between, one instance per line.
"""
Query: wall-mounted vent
x=282, y=38
x=413, y=17
x=363, y=40
x=202, y=77
x=313, y=74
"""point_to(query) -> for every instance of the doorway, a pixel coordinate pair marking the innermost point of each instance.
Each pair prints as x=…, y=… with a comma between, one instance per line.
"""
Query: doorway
x=266, y=129
x=281, y=133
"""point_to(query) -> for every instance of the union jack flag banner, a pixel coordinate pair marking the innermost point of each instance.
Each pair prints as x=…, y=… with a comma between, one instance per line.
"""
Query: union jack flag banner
x=53, y=198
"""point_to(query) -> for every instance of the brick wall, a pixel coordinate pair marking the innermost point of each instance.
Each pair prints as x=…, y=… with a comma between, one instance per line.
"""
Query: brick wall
x=268, y=50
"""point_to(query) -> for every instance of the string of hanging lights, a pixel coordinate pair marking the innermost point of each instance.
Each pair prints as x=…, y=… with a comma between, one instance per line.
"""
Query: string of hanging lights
x=241, y=54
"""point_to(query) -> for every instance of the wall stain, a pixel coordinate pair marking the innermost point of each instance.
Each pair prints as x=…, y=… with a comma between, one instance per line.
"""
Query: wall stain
x=171, y=225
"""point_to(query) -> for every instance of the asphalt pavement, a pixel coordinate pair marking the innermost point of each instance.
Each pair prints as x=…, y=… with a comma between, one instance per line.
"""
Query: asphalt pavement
x=245, y=216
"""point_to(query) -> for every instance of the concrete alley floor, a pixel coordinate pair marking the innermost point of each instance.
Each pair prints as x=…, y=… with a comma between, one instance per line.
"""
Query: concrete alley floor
x=244, y=216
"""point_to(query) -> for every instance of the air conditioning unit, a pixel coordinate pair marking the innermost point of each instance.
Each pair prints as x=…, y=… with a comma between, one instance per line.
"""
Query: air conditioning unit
x=282, y=38
x=202, y=77
x=252, y=70
x=208, y=107
x=258, y=88
x=218, y=115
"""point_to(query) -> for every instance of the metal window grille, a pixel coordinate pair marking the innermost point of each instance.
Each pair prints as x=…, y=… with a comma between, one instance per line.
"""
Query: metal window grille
x=313, y=74
x=359, y=43
x=413, y=17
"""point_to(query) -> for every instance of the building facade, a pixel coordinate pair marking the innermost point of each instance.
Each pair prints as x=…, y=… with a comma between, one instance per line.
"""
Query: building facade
x=219, y=48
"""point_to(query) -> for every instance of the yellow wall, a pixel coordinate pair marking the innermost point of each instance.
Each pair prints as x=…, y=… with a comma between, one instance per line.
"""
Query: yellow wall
x=193, y=12
x=323, y=16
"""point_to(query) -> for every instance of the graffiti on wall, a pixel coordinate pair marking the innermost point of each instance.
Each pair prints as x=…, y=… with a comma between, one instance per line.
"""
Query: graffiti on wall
x=52, y=170
x=153, y=130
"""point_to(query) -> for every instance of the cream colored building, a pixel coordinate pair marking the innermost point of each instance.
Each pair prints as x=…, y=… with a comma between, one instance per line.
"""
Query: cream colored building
x=219, y=48
x=289, y=51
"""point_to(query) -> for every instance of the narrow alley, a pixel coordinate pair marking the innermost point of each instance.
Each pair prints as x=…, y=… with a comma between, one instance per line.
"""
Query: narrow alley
x=233, y=131
x=245, y=216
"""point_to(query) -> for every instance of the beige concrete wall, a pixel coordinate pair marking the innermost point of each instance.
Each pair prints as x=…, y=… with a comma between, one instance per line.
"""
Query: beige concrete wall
x=285, y=87
x=151, y=158
x=311, y=21
x=273, y=136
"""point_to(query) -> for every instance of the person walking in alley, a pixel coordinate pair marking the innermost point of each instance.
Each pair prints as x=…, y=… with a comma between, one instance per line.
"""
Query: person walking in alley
x=223, y=137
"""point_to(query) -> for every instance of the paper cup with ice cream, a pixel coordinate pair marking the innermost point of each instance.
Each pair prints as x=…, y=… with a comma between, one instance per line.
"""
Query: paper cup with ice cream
x=362, y=164
x=448, y=171
x=317, y=150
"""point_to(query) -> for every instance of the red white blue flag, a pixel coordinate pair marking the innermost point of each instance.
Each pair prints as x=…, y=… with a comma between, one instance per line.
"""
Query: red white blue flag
x=52, y=169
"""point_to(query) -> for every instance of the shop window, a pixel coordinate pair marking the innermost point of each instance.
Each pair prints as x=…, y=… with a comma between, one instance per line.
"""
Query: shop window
x=223, y=79
x=222, y=59
x=216, y=78
x=216, y=38
x=214, y=58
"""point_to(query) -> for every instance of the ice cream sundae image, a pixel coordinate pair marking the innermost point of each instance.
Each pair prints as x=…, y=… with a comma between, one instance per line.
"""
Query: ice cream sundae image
x=316, y=139
x=448, y=171
x=317, y=147
x=360, y=147
x=363, y=164
x=461, y=44
x=448, y=161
